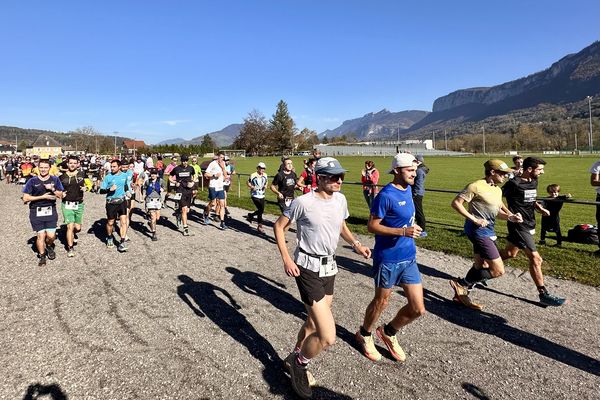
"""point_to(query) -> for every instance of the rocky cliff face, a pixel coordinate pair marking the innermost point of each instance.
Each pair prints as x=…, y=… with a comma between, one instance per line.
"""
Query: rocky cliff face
x=573, y=70
x=382, y=124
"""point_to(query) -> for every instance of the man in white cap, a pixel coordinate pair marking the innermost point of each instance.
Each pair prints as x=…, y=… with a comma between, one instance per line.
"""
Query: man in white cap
x=320, y=219
x=392, y=221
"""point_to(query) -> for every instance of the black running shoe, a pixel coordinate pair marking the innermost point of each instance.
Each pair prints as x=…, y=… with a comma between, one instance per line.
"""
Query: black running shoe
x=51, y=253
x=42, y=260
x=299, y=377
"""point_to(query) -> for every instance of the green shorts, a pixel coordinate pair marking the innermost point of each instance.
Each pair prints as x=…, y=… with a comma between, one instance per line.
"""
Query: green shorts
x=72, y=216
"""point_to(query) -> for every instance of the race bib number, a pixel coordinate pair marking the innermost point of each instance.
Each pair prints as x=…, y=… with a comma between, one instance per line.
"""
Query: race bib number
x=72, y=205
x=154, y=204
x=44, y=211
x=176, y=196
x=288, y=201
x=328, y=267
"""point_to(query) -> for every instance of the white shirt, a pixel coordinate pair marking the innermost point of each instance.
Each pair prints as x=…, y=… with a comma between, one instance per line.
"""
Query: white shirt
x=213, y=169
x=138, y=167
x=319, y=223
x=596, y=170
x=149, y=163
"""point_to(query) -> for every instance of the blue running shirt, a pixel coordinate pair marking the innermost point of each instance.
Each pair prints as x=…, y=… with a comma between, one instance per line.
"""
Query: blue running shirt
x=396, y=209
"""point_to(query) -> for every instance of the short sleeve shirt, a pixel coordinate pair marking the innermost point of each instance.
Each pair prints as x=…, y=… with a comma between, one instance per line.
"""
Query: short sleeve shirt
x=260, y=184
x=214, y=168
x=319, y=223
x=396, y=209
x=285, y=183
x=596, y=170
x=73, y=186
x=37, y=187
x=183, y=175
x=485, y=201
x=520, y=198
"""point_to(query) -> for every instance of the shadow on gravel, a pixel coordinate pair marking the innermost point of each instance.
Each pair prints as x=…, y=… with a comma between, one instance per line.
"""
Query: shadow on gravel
x=205, y=301
x=51, y=392
x=243, y=227
x=354, y=266
x=272, y=291
x=98, y=228
x=475, y=391
x=497, y=326
x=434, y=273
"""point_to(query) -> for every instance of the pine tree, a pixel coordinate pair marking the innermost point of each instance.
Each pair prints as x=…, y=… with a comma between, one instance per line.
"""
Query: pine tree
x=283, y=129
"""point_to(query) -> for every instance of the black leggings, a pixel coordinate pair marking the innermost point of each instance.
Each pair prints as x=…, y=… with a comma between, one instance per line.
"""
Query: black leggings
x=598, y=213
x=260, y=209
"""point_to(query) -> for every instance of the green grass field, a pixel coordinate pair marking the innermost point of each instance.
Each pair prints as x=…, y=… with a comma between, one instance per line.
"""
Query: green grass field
x=571, y=261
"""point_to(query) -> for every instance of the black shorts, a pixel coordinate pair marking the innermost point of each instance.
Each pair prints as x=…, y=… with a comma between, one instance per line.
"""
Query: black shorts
x=45, y=223
x=226, y=188
x=186, y=198
x=114, y=211
x=521, y=238
x=312, y=287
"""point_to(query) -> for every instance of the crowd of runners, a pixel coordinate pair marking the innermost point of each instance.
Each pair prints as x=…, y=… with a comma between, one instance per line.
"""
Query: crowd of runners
x=319, y=215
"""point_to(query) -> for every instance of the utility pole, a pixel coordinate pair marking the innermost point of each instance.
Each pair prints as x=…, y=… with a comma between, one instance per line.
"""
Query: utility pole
x=483, y=131
x=589, y=99
x=434, y=140
x=445, y=140
x=115, y=134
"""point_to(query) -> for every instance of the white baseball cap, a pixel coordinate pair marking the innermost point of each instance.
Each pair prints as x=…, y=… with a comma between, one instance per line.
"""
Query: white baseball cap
x=261, y=165
x=401, y=160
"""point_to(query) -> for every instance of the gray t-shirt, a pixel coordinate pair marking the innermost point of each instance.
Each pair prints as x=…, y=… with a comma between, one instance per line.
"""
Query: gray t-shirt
x=319, y=223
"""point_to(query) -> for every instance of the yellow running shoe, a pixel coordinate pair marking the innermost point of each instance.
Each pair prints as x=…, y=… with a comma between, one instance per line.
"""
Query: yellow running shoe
x=392, y=344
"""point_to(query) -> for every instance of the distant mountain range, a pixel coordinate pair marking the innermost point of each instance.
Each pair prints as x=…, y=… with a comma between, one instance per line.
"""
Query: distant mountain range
x=377, y=125
x=569, y=80
x=224, y=137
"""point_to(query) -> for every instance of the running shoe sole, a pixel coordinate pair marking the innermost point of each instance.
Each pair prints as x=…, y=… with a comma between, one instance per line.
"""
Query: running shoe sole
x=468, y=304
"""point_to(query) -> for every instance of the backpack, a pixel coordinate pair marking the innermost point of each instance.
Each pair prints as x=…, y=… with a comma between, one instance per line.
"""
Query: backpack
x=584, y=233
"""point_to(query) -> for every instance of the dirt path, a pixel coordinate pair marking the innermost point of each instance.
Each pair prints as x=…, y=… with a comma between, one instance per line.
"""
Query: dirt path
x=212, y=315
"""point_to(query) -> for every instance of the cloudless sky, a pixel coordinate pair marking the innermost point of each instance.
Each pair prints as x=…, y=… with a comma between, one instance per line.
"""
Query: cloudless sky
x=156, y=70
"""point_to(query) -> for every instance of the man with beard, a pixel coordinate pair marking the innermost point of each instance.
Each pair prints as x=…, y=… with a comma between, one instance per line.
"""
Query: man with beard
x=72, y=207
x=521, y=194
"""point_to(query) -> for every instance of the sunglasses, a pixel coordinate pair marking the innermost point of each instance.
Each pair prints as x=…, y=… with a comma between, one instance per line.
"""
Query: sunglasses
x=334, y=178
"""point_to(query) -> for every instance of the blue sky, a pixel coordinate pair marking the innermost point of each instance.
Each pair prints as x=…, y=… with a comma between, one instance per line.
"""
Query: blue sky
x=155, y=70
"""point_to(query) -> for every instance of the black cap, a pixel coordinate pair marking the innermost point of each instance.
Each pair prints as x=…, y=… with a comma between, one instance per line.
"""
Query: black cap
x=184, y=157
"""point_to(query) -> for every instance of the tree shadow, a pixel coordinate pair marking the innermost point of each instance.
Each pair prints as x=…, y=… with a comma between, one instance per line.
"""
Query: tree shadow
x=52, y=392
x=494, y=325
x=205, y=300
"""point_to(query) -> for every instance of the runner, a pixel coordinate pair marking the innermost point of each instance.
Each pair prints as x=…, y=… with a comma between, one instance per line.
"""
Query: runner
x=320, y=217
x=215, y=173
x=392, y=220
x=115, y=186
x=484, y=197
x=72, y=202
x=258, y=184
x=284, y=184
x=26, y=168
x=127, y=169
x=183, y=177
x=229, y=171
x=595, y=182
x=521, y=195
x=308, y=179
x=41, y=193
x=197, y=177
x=10, y=170
x=152, y=192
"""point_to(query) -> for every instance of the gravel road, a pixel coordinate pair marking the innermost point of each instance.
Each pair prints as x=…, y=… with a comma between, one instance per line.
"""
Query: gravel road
x=211, y=316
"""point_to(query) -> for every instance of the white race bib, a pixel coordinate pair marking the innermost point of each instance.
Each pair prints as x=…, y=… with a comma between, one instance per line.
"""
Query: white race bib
x=532, y=232
x=44, y=211
x=288, y=201
x=328, y=267
x=71, y=205
x=153, y=204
